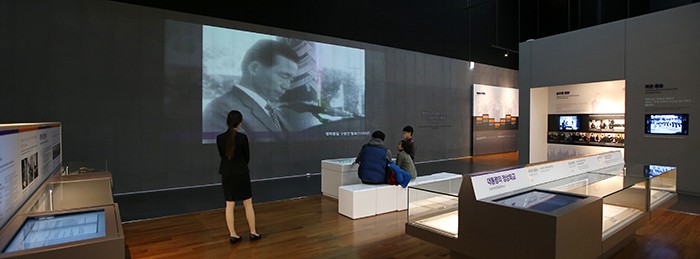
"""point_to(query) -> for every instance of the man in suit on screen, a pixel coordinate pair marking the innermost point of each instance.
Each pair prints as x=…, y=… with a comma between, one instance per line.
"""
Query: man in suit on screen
x=268, y=68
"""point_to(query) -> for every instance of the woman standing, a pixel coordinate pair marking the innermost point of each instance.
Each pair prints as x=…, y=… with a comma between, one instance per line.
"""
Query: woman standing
x=235, y=177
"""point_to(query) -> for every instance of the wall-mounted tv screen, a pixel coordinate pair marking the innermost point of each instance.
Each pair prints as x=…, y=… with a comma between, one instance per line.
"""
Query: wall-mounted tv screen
x=569, y=122
x=652, y=171
x=666, y=124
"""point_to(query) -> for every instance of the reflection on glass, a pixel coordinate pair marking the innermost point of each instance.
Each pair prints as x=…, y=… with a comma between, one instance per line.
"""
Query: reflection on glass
x=539, y=200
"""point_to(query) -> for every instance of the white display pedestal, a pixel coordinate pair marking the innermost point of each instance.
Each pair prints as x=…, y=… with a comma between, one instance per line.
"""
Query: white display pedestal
x=336, y=173
x=358, y=200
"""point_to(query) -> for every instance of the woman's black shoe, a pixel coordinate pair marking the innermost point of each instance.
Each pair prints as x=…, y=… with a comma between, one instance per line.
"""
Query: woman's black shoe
x=234, y=239
x=254, y=237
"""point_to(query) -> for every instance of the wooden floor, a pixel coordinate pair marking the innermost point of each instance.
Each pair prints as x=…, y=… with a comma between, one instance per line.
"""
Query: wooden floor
x=312, y=228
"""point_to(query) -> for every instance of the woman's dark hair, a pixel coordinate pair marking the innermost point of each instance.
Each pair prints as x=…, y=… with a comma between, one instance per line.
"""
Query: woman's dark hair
x=233, y=119
x=378, y=134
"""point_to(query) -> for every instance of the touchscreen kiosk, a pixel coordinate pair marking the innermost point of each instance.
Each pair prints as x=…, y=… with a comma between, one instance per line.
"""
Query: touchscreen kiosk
x=58, y=229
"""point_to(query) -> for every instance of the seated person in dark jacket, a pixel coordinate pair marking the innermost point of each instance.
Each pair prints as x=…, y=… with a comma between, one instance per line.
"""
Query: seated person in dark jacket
x=372, y=159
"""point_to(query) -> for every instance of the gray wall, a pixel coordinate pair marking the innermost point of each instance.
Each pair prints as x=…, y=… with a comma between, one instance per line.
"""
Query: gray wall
x=98, y=67
x=651, y=49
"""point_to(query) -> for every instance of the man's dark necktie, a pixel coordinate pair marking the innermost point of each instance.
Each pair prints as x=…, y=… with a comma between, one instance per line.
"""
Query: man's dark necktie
x=273, y=114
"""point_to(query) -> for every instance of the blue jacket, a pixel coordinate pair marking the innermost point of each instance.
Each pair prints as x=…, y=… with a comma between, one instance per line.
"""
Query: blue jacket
x=373, y=158
x=402, y=177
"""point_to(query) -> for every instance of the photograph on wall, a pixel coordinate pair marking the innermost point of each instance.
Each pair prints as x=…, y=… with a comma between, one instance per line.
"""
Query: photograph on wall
x=606, y=122
x=56, y=150
x=281, y=85
x=30, y=169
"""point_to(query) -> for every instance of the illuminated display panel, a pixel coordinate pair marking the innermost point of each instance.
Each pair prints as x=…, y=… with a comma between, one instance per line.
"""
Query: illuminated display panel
x=58, y=229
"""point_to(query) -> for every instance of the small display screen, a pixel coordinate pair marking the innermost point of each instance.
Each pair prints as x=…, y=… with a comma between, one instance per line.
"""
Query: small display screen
x=652, y=171
x=58, y=229
x=539, y=200
x=569, y=122
x=666, y=124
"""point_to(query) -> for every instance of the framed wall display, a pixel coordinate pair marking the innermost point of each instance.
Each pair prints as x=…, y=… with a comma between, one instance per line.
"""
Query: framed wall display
x=494, y=119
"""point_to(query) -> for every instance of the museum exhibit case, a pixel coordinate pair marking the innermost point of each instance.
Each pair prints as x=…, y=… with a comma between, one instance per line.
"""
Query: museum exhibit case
x=582, y=207
x=55, y=214
x=335, y=173
x=82, y=167
x=65, y=192
x=435, y=209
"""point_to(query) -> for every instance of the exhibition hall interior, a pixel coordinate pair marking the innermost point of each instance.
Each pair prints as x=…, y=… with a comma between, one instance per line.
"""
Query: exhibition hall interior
x=356, y=129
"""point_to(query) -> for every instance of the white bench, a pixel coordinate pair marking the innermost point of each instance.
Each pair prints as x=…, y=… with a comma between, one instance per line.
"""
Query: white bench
x=364, y=200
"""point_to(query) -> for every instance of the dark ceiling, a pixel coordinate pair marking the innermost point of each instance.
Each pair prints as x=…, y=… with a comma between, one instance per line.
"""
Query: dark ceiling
x=481, y=31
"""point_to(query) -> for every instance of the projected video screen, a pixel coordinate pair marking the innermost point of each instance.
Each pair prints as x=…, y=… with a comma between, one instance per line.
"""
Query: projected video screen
x=568, y=122
x=58, y=229
x=282, y=86
x=666, y=124
x=539, y=200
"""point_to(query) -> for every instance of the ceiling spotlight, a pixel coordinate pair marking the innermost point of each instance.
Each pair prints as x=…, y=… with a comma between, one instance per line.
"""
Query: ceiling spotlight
x=506, y=55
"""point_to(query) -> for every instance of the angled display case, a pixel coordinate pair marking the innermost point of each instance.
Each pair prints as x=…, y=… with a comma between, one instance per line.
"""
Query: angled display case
x=94, y=232
x=74, y=191
x=434, y=208
x=662, y=185
x=582, y=207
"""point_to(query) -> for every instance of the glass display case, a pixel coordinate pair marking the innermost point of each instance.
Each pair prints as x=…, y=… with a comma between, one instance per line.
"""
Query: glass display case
x=75, y=191
x=662, y=184
x=581, y=207
x=624, y=197
x=434, y=207
x=84, y=167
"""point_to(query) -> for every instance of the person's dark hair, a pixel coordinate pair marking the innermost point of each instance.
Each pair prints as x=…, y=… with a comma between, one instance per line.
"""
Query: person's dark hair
x=265, y=51
x=404, y=144
x=378, y=134
x=233, y=119
x=408, y=129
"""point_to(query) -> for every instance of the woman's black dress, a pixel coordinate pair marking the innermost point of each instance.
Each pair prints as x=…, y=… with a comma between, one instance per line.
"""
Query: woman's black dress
x=235, y=176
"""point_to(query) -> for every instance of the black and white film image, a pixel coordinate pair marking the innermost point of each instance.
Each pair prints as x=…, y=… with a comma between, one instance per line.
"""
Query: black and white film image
x=281, y=85
x=30, y=169
x=671, y=124
x=616, y=125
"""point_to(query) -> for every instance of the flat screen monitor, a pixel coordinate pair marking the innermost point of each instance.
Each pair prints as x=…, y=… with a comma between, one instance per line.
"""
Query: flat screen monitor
x=539, y=200
x=652, y=171
x=569, y=122
x=58, y=229
x=666, y=124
